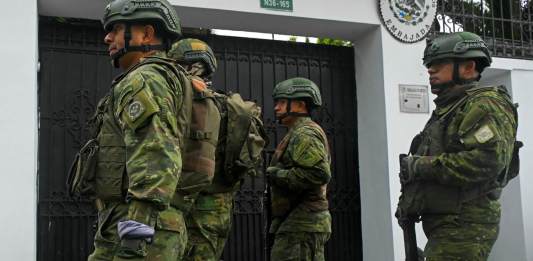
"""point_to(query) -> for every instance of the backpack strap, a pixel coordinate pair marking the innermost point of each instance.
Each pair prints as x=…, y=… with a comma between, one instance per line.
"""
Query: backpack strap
x=323, y=134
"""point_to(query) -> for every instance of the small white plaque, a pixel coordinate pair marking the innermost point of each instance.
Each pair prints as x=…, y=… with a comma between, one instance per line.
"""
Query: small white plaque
x=414, y=98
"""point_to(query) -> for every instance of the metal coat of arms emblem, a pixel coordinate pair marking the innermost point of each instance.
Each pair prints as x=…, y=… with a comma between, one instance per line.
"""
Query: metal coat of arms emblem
x=408, y=20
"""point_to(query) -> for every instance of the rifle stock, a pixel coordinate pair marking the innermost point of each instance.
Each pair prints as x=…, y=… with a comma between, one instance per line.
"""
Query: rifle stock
x=267, y=204
x=409, y=238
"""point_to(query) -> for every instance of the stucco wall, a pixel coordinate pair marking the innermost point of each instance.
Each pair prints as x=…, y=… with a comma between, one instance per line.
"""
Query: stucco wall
x=18, y=130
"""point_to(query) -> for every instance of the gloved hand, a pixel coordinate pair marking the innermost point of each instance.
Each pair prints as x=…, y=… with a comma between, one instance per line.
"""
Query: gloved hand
x=407, y=168
x=133, y=238
x=275, y=174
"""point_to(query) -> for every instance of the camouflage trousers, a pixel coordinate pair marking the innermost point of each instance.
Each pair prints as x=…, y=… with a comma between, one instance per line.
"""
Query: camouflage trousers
x=299, y=246
x=208, y=226
x=166, y=245
x=460, y=241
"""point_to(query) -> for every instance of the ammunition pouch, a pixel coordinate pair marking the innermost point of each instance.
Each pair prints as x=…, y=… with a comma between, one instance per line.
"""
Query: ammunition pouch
x=82, y=173
x=111, y=179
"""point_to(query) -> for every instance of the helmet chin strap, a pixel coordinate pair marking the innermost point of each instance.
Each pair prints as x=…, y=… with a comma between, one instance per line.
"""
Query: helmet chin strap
x=291, y=113
x=115, y=58
x=456, y=80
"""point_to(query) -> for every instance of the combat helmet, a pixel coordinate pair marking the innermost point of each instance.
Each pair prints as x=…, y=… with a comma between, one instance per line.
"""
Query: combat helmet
x=193, y=50
x=160, y=13
x=460, y=45
x=297, y=89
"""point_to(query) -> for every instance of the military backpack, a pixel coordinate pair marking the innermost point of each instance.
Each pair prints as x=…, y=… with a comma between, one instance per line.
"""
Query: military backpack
x=241, y=142
x=199, y=146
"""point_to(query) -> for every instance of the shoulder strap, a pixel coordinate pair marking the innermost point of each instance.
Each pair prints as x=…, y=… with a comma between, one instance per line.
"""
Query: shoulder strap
x=280, y=149
x=322, y=133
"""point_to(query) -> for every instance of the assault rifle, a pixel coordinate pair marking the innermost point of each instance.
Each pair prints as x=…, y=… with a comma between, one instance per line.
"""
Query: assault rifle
x=407, y=223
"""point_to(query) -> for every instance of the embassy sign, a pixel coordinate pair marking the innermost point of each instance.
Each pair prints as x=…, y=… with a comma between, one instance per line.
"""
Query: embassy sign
x=408, y=20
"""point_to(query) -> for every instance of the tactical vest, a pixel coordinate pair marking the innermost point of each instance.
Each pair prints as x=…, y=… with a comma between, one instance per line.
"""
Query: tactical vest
x=426, y=197
x=99, y=169
x=284, y=201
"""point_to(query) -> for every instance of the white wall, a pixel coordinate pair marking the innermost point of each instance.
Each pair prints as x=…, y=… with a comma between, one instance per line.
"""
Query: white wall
x=523, y=209
x=402, y=65
x=376, y=225
x=18, y=130
x=309, y=18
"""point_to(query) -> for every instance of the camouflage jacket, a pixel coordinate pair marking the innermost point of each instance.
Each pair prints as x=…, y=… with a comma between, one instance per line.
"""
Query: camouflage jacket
x=476, y=146
x=299, y=200
x=145, y=103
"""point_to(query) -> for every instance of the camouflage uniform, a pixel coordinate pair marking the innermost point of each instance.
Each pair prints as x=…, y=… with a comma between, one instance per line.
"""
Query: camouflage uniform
x=209, y=220
x=137, y=136
x=238, y=152
x=139, y=163
x=301, y=219
x=458, y=160
x=208, y=226
x=478, y=143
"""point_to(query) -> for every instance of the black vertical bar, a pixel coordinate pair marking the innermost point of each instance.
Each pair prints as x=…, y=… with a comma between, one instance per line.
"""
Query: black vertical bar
x=512, y=27
x=494, y=50
x=530, y=28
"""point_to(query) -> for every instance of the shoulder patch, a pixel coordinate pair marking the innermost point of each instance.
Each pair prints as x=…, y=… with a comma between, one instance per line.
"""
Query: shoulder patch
x=484, y=134
x=135, y=110
x=139, y=108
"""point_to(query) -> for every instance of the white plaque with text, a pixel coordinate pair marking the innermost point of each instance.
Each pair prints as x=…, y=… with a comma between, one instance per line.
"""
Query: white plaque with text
x=414, y=98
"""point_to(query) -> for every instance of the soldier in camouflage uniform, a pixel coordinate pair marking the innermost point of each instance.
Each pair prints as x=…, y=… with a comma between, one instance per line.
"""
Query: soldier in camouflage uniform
x=298, y=175
x=209, y=221
x=138, y=136
x=460, y=161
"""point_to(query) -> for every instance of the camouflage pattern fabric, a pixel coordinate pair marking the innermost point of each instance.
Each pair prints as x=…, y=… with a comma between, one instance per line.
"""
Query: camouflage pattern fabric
x=166, y=245
x=478, y=144
x=208, y=226
x=299, y=246
x=144, y=103
x=456, y=241
x=306, y=161
x=299, y=203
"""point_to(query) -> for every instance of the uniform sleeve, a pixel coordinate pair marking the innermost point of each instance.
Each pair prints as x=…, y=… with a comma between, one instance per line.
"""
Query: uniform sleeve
x=487, y=134
x=310, y=159
x=146, y=110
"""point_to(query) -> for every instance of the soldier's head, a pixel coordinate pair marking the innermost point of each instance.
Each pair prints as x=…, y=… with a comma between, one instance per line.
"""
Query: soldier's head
x=196, y=56
x=135, y=29
x=455, y=59
x=295, y=97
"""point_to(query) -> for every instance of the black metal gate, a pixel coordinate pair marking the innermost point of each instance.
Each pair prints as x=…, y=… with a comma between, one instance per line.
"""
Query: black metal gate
x=75, y=73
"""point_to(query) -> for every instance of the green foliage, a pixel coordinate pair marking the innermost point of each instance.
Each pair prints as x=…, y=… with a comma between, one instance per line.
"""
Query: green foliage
x=336, y=42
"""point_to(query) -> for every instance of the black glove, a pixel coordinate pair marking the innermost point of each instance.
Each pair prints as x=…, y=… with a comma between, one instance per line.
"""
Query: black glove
x=276, y=175
x=407, y=168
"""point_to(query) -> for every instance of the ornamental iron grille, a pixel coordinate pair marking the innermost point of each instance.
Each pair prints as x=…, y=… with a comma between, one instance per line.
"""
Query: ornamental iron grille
x=76, y=72
x=505, y=25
